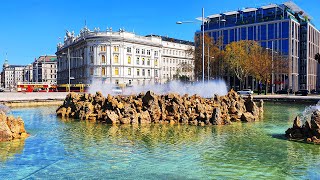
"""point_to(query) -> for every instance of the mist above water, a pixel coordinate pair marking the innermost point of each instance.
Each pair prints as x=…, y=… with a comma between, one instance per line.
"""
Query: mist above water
x=207, y=89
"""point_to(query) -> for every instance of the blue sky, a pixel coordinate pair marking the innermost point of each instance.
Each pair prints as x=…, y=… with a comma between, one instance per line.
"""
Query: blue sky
x=30, y=28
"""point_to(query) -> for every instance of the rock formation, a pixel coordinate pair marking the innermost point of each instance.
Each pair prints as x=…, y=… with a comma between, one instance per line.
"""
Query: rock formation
x=11, y=128
x=308, y=132
x=170, y=108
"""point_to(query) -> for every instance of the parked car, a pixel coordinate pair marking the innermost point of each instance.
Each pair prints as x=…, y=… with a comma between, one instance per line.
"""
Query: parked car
x=116, y=90
x=313, y=91
x=282, y=91
x=302, y=92
x=1, y=90
x=245, y=92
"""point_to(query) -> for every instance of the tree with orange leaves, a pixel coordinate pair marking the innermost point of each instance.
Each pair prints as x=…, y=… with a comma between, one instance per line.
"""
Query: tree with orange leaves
x=212, y=55
x=239, y=57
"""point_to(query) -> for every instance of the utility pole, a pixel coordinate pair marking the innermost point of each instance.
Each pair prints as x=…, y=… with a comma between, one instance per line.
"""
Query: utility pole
x=208, y=63
x=69, y=68
x=203, y=45
x=272, y=73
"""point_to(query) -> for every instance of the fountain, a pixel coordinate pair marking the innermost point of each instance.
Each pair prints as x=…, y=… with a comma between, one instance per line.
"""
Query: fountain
x=146, y=108
x=309, y=131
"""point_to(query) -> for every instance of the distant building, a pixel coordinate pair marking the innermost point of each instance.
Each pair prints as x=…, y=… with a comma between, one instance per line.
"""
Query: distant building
x=11, y=75
x=28, y=73
x=120, y=58
x=44, y=70
x=285, y=28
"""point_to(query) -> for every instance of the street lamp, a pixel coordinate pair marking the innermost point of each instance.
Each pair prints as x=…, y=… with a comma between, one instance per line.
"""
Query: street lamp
x=69, y=62
x=181, y=22
x=272, y=73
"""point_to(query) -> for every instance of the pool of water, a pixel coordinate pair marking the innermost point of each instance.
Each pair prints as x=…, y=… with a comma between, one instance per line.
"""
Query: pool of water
x=60, y=149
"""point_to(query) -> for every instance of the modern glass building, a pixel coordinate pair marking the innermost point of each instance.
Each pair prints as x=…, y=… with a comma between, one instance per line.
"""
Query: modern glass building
x=285, y=28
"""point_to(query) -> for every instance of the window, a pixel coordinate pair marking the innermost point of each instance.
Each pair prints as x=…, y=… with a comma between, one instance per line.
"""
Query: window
x=116, y=48
x=91, y=59
x=129, y=59
x=143, y=61
x=149, y=72
x=129, y=71
x=143, y=72
x=91, y=71
x=128, y=49
x=103, y=59
x=143, y=51
x=156, y=53
x=138, y=72
x=103, y=71
x=116, y=71
x=138, y=60
x=156, y=73
x=148, y=62
x=116, y=59
x=148, y=52
x=103, y=48
x=138, y=51
x=156, y=62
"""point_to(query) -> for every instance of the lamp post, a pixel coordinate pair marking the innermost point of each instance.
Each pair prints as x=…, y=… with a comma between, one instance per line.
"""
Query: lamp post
x=69, y=66
x=272, y=73
x=181, y=22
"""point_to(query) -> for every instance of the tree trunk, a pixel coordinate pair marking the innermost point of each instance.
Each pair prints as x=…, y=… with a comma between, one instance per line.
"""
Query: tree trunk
x=265, y=93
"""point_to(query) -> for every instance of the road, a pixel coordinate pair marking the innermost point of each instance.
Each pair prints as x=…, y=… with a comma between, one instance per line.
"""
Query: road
x=30, y=96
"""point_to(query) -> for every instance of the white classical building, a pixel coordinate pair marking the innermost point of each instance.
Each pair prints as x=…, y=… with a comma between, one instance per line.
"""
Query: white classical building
x=121, y=58
x=11, y=75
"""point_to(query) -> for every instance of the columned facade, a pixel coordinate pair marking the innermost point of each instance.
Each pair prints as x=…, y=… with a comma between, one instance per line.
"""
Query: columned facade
x=110, y=57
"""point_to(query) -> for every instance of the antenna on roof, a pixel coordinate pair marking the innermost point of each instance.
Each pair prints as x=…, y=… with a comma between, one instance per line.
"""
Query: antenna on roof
x=6, y=55
x=85, y=23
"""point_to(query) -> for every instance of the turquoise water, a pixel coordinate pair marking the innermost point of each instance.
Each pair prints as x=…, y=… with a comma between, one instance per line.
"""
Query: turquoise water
x=59, y=149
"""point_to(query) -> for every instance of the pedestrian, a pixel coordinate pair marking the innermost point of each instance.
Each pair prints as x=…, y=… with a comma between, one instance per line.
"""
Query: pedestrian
x=259, y=88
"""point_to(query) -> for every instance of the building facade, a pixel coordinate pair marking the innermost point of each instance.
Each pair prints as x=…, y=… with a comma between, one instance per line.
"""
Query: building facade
x=11, y=75
x=28, y=73
x=284, y=28
x=44, y=70
x=118, y=58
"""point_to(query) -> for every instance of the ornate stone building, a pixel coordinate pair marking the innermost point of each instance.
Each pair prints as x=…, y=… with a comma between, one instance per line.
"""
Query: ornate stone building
x=120, y=58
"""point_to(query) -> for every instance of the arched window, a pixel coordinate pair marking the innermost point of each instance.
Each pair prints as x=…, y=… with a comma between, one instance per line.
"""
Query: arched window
x=103, y=59
x=103, y=71
x=91, y=59
x=129, y=59
x=148, y=62
x=156, y=62
x=138, y=60
x=143, y=61
x=116, y=59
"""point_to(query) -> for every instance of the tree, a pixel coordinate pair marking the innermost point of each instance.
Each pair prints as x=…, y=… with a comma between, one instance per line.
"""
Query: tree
x=183, y=69
x=262, y=66
x=239, y=57
x=211, y=52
